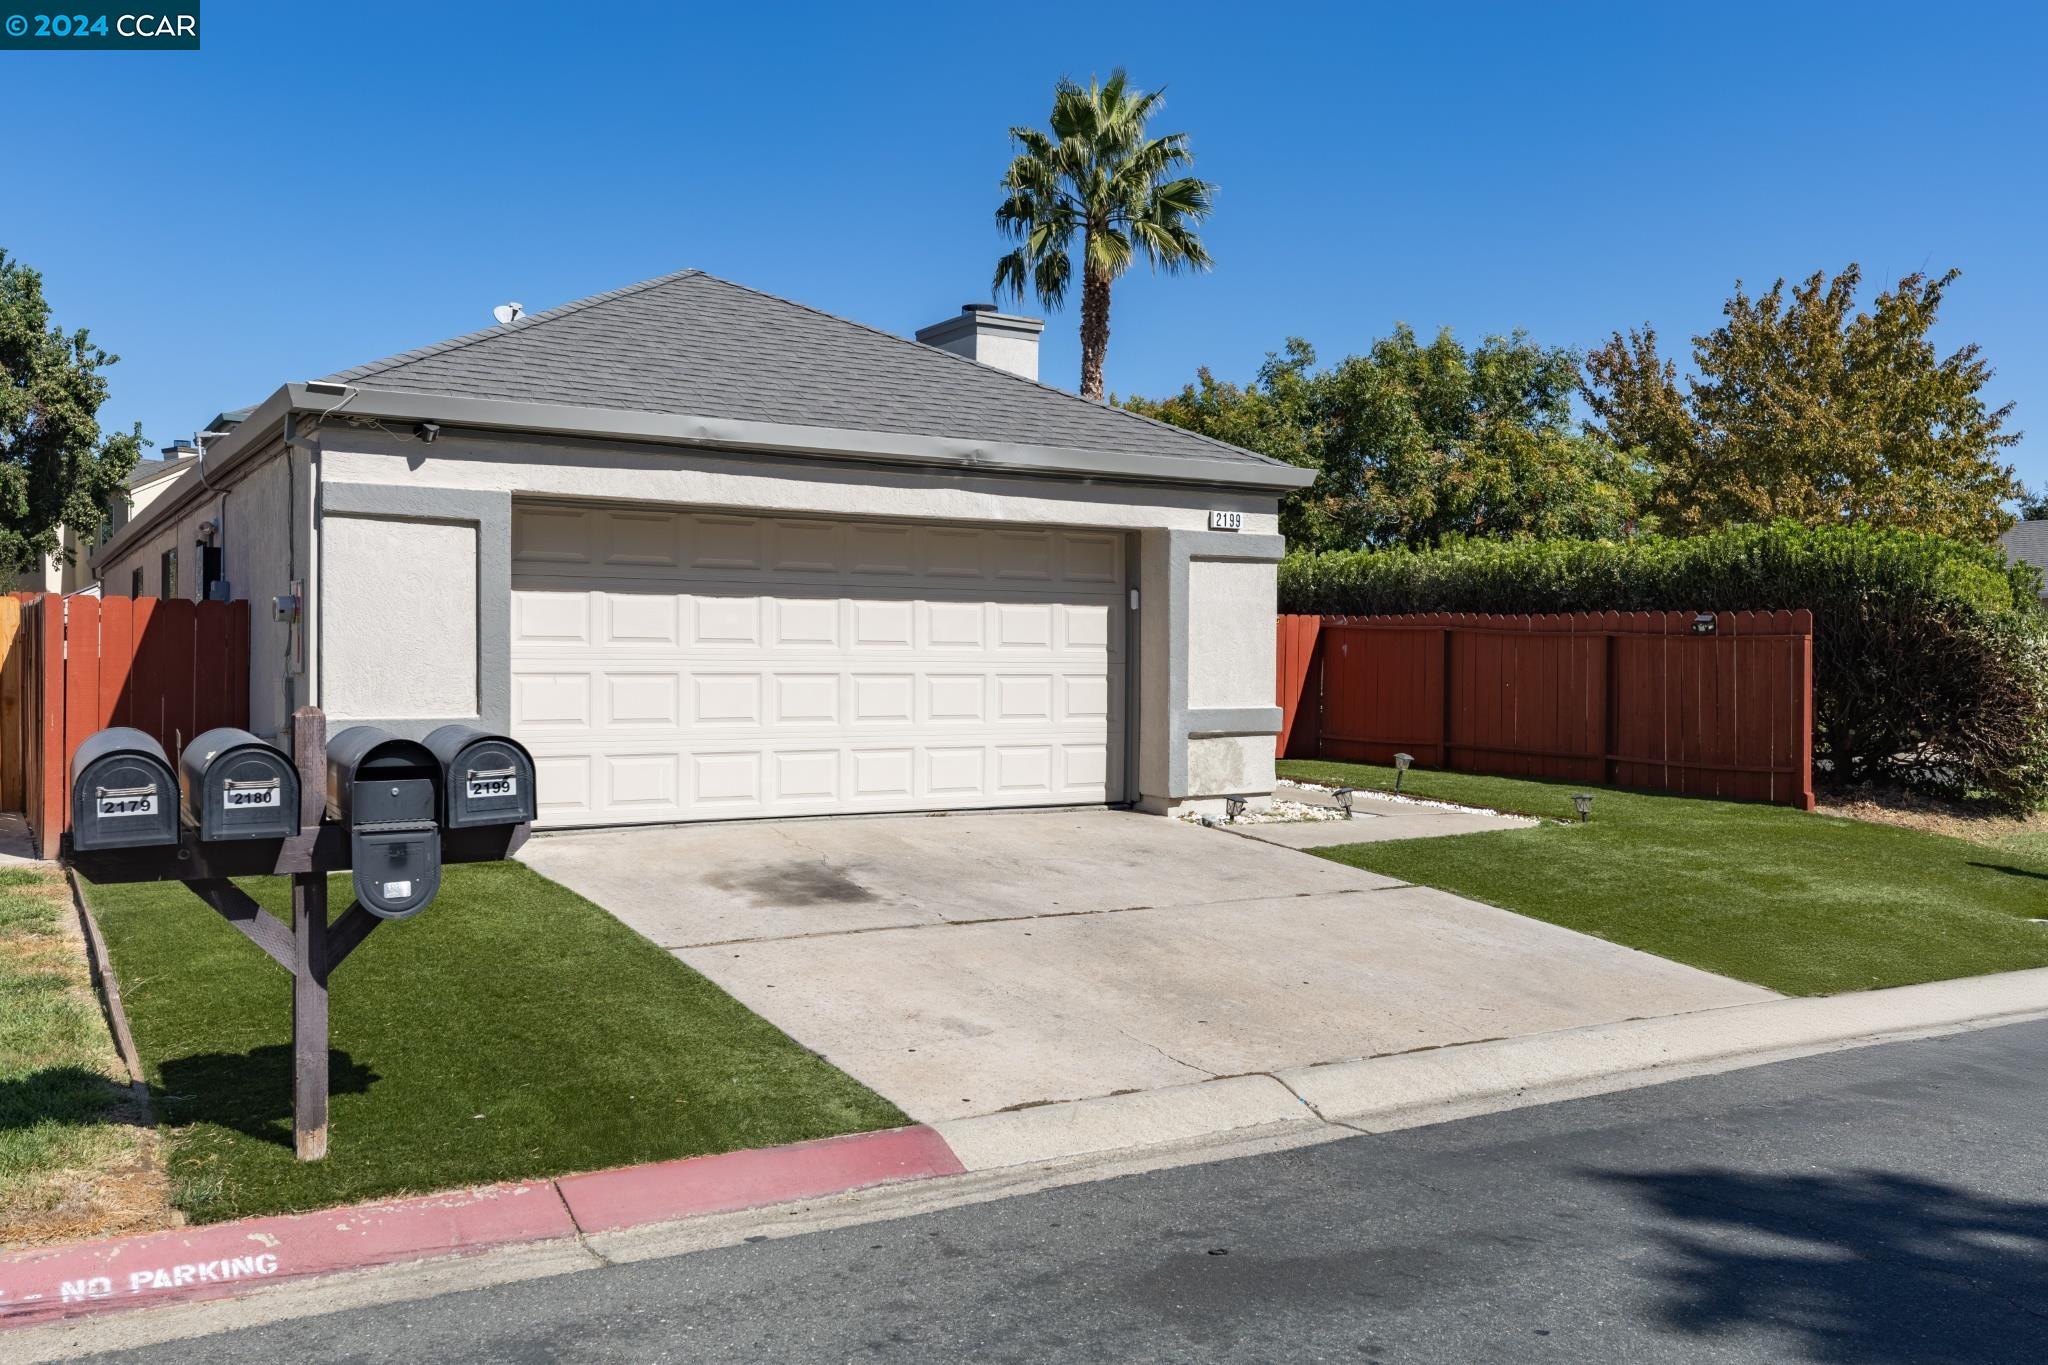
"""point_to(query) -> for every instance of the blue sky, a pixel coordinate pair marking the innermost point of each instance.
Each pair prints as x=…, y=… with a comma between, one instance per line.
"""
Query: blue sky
x=321, y=186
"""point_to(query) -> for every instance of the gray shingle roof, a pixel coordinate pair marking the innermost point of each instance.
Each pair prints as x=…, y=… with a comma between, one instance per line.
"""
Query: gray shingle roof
x=697, y=345
x=2027, y=541
x=145, y=470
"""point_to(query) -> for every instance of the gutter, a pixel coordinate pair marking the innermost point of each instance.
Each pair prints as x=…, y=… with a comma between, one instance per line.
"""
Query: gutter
x=266, y=423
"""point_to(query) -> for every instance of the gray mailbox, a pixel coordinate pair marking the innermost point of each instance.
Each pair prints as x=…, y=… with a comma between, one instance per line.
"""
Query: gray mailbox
x=486, y=779
x=235, y=786
x=386, y=792
x=122, y=792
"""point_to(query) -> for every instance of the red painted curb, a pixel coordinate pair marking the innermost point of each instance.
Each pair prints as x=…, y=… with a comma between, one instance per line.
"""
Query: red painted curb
x=228, y=1258
x=233, y=1258
x=605, y=1201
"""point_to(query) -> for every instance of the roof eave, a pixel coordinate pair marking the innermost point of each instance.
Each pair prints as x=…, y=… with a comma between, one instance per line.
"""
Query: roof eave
x=844, y=443
x=265, y=424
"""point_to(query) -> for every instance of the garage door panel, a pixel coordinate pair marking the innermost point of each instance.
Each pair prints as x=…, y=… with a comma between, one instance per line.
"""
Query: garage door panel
x=703, y=665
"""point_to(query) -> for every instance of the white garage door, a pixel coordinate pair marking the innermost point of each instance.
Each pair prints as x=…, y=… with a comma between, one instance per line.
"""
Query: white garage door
x=683, y=666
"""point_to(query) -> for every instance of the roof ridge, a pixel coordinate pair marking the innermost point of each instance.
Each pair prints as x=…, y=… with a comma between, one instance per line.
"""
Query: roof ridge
x=555, y=314
x=993, y=369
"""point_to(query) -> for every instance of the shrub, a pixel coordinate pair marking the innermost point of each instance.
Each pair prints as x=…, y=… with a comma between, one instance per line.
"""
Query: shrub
x=1930, y=655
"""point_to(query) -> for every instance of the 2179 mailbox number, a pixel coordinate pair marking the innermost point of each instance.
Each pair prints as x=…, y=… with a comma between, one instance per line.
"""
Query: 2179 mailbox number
x=113, y=806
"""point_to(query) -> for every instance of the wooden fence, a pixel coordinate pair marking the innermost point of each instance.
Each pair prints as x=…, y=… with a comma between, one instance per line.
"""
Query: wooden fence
x=168, y=667
x=1632, y=699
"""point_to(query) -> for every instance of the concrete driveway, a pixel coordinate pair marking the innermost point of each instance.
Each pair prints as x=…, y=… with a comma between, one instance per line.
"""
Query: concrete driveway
x=966, y=964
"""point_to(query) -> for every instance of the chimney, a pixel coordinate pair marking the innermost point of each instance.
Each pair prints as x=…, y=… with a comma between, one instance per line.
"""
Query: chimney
x=981, y=333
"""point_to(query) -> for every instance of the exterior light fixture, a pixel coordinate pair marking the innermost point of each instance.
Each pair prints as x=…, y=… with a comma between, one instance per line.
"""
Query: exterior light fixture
x=1582, y=802
x=428, y=432
x=1703, y=624
x=1233, y=806
x=1401, y=762
x=1344, y=797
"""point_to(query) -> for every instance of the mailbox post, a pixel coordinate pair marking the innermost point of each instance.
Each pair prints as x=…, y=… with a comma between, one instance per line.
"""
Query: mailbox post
x=141, y=840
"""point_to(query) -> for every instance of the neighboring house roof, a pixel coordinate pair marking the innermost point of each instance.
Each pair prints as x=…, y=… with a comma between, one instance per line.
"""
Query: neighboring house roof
x=697, y=345
x=147, y=470
x=2027, y=541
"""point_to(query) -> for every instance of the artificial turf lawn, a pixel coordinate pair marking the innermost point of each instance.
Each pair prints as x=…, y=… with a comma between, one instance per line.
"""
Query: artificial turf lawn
x=1804, y=904
x=511, y=1030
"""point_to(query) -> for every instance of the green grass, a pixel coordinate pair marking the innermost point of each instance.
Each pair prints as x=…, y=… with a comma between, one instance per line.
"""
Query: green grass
x=511, y=1030
x=63, y=1116
x=1804, y=904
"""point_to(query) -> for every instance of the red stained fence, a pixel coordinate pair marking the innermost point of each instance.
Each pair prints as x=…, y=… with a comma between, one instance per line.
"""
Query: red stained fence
x=1631, y=699
x=168, y=667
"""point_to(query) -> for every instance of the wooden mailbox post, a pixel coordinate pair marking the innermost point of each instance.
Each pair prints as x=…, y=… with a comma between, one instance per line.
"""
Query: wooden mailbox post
x=309, y=947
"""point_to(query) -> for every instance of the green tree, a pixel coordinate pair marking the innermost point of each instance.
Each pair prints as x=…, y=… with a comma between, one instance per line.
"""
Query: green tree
x=1412, y=443
x=56, y=470
x=1097, y=176
x=1806, y=409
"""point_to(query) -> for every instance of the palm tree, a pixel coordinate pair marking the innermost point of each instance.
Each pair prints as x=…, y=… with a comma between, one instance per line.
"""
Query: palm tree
x=1098, y=175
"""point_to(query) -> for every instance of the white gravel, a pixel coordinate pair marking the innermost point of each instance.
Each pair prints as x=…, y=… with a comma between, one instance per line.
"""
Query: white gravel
x=1362, y=794
x=1279, y=813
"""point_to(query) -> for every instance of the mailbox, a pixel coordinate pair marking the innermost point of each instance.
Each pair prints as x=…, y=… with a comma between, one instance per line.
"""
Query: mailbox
x=386, y=792
x=486, y=779
x=123, y=794
x=235, y=786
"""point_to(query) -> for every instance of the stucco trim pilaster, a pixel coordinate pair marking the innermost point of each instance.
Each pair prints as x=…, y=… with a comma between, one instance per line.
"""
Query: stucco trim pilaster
x=1182, y=549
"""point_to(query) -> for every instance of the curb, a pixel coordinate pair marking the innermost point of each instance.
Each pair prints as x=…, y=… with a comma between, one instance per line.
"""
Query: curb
x=222, y=1259
x=1381, y=1094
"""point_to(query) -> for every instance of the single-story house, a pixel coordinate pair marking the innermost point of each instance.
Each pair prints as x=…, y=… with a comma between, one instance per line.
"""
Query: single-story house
x=710, y=553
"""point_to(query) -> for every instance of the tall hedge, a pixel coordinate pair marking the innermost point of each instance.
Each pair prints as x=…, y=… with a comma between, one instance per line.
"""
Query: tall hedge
x=1930, y=655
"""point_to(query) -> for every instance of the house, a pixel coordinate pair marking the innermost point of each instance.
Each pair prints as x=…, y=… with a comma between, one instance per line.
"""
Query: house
x=711, y=553
x=144, y=483
x=2027, y=543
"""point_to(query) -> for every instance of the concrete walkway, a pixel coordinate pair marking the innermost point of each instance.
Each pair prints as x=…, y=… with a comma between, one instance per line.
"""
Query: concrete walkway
x=969, y=964
x=17, y=846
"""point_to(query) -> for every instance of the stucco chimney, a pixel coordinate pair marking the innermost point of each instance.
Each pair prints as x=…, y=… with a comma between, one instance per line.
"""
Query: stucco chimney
x=981, y=333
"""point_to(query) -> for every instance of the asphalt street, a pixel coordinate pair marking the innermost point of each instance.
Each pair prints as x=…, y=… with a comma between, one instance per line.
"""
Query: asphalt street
x=1884, y=1205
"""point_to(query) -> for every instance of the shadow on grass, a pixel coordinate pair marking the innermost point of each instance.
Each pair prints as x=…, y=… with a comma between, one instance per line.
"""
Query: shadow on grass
x=63, y=1094
x=1864, y=1266
x=2011, y=871
x=250, y=1092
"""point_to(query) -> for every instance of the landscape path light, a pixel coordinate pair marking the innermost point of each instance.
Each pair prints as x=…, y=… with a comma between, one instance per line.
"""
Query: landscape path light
x=1582, y=802
x=1344, y=799
x=1401, y=762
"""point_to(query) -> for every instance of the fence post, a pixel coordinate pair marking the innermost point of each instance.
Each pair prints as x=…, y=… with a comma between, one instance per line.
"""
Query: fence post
x=55, y=769
x=1607, y=703
x=1443, y=724
x=1802, y=621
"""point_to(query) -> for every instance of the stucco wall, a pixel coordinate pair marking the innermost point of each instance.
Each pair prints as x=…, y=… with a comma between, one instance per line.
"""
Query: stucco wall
x=117, y=574
x=257, y=524
x=253, y=519
x=400, y=612
x=1230, y=633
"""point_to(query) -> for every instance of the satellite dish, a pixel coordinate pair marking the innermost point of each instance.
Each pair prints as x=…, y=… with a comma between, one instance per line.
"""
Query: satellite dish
x=508, y=313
